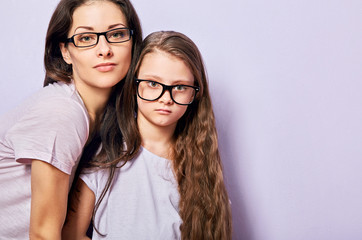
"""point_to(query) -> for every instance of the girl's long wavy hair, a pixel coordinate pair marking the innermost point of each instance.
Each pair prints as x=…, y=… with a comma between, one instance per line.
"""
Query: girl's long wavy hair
x=204, y=204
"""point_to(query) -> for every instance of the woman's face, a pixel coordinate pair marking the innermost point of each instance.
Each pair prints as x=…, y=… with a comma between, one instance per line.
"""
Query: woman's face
x=102, y=66
x=163, y=68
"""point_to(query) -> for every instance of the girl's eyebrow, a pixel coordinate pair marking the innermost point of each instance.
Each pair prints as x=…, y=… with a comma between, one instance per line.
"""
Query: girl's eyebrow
x=152, y=77
x=159, y=79
x=182, y=82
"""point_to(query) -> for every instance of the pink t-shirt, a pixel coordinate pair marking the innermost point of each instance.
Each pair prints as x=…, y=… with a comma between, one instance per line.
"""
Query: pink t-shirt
x=142, y=203
x=51, y=126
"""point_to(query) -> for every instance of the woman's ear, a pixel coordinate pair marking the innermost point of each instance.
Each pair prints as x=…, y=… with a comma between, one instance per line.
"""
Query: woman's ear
x=65, y=53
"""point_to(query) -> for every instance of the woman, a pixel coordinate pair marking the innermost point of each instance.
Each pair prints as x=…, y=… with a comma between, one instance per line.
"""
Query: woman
x=89, y=48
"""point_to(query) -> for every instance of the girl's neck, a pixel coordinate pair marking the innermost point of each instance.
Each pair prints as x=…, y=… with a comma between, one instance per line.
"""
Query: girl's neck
x=158, y=140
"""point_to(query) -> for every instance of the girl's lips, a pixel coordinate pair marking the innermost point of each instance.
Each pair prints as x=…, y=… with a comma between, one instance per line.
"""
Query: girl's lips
x=163, y=111
x=105, y=67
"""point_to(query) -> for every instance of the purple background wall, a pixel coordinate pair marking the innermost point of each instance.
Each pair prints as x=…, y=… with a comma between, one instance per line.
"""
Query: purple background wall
x=286, y=82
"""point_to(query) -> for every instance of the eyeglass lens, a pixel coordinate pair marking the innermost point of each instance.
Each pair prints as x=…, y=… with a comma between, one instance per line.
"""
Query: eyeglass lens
x=114, y=36
x=151, y=91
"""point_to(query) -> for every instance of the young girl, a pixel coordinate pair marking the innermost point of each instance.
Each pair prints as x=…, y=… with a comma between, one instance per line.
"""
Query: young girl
x=173, y=186
x=89, y=48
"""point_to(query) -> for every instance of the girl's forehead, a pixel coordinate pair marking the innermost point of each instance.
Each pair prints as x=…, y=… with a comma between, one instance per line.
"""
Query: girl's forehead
x=164, y=67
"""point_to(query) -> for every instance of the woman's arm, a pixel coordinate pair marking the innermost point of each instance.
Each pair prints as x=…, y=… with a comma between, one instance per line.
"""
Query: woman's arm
x=49, y=195
x=81, y=205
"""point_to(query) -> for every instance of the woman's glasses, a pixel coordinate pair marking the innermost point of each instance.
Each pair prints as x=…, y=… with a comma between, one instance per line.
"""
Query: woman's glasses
x=151, y=90
x=88, y=39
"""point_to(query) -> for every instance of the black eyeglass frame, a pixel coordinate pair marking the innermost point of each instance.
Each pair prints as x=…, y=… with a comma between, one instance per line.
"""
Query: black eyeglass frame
x=166, y=88
x=71, y=39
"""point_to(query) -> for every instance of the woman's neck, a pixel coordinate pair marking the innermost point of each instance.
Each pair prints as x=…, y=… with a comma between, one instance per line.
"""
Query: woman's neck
x=95, y=100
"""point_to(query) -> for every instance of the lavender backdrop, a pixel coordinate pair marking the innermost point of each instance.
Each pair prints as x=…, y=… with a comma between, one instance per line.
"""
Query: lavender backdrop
x=286, y=82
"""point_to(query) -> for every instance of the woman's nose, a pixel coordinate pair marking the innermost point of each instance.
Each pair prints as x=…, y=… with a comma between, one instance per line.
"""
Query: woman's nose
x=103, y=47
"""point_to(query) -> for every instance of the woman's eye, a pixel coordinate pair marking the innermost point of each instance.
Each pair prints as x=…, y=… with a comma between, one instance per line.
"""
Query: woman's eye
x=119, y=34
x=85, y=38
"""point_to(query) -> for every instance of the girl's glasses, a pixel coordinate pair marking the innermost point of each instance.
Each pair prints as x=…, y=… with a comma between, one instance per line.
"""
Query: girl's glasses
x=88, y=39
x=152, y=90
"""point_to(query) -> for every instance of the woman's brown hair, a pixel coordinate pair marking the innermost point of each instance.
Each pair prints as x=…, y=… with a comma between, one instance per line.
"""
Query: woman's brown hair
x=56, y=69
x=204, y=203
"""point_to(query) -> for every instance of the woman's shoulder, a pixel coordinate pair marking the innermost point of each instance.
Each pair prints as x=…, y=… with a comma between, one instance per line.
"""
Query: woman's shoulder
x=53, y=108
x=60, y=90
x=58, y=98
x=56, y=103
x=55, y=93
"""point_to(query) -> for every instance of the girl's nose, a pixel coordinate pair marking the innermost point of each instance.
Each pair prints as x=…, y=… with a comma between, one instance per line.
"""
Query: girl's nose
x=166, y=97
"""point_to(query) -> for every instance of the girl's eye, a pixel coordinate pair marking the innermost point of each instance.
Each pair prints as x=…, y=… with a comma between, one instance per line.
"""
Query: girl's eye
x=153, y=84
x=180, y=88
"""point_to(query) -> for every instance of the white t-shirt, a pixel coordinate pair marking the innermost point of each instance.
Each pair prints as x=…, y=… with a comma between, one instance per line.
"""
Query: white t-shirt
x=51, y=126
x=142, y=202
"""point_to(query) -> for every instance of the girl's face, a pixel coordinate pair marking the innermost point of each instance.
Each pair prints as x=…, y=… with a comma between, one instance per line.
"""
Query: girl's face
x=102, y=66
x=166, y=69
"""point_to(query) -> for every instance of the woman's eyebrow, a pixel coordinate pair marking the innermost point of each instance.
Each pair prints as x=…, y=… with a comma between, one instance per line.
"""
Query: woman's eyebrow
x=115, y=25
x=83, y=27
x=92, y=29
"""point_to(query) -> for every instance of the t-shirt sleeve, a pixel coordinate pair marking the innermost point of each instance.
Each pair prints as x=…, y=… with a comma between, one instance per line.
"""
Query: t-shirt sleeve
x=95, y=178
x=53, y=131
x=90, y=179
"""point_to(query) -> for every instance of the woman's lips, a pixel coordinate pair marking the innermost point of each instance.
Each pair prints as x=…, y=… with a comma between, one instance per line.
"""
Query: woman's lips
x=105, y=67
